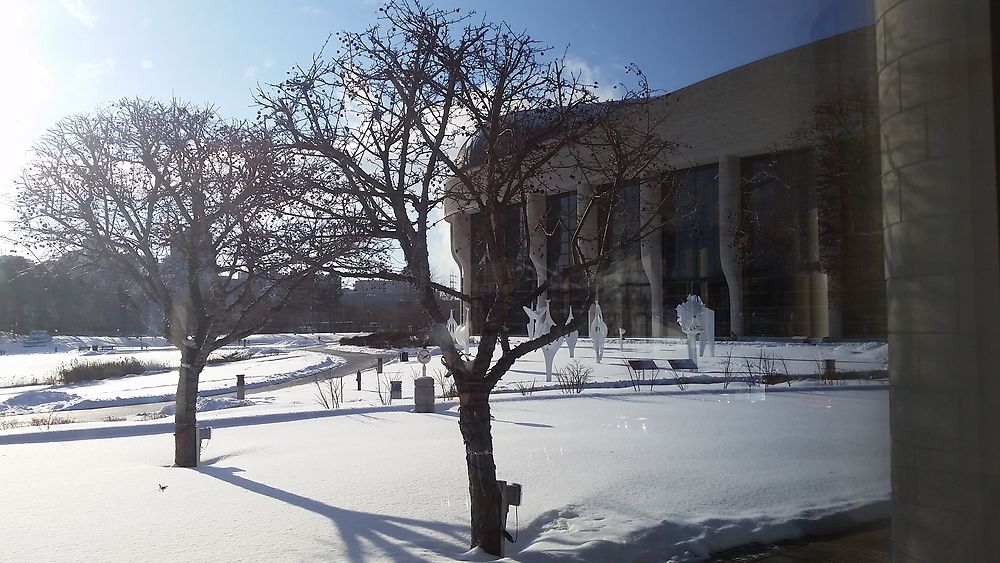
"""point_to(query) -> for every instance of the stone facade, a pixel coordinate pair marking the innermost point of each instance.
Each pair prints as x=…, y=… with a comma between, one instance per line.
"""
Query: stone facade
x=757, y=111
x=936, y=107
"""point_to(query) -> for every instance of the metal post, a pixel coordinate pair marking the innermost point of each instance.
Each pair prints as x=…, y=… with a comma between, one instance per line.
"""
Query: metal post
x=241, y=386
x=503, y=517
x=359, y=380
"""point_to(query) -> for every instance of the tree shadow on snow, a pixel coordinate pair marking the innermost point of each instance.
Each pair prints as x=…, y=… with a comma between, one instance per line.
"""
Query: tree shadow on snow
x=387, y=533
x=151, y=429
x=528, y=424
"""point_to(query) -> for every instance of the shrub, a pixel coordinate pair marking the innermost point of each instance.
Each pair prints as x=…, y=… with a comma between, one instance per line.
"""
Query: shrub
x=239, y=356
x=384, y=387
x=12, y=423
x=48, y=421
x=448, y=390
x=329, y=391
x=523, y=388
x=78, y=371
x=574, y=377
x=390, y=338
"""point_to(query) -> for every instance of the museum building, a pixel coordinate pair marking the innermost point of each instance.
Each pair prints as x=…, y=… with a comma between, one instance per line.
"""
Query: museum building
x=771, y=209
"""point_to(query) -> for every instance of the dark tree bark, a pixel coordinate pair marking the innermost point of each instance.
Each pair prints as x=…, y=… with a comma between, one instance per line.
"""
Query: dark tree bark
x=185, y=418
x=484, y=494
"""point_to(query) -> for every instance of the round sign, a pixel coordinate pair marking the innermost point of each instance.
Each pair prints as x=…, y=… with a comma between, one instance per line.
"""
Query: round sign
x=424, y=355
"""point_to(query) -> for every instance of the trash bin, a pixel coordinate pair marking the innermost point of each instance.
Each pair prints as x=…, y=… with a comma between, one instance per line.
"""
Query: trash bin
x=395, y=389
x=423, y=394
x=404, y=356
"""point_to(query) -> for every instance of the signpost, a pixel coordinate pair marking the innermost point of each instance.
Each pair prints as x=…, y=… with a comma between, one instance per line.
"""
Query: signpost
x=424, y=356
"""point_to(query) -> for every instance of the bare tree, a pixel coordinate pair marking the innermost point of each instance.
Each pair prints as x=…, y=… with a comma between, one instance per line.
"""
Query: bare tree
x=190, y=208
x=389, y=110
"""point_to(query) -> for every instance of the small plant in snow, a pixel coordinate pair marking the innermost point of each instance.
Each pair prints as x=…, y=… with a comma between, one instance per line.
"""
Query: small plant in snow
x=728, y=369
x=49, y=421
x=524, y=388
x=447, y=384
x=9, y=424
x=329, y=391
x=573, y=377
x=384, y=387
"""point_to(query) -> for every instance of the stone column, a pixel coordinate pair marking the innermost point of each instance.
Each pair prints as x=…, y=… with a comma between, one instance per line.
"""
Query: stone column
x=651, y=253
x=535, y=215
x=729, y=220
x=588, y=230
x=819, y=291
x=939, y=186
x=461, y=249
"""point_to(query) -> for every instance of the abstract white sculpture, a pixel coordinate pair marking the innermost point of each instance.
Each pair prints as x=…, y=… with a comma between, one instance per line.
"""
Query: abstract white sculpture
x=452, y=325
x=571, y=337
x=598, y=330
x=708, y=332
x=534, y=315
x=621, y=339
x=461, y=335
x=697, y=321
x=543, y=327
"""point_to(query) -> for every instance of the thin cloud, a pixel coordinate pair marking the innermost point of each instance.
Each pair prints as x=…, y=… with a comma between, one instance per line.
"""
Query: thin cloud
x=95, y=70
x=146, y=64
x=592, y=74
x=81, y=12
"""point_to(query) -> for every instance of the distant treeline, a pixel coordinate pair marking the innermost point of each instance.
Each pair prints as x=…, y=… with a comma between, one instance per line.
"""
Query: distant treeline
x=70, y=296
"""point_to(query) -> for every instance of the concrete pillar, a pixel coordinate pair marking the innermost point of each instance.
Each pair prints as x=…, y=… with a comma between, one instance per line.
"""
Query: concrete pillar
x=589, y=221
x=819, y=294
x=939, y=186
x=730, y=206
x=651, y=253
x=461, y=250
x=535, y=215
x=423, y=394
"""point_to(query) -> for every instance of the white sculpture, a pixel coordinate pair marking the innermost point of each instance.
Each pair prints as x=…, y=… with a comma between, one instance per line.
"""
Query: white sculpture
x=534, y=315
x=621, y=339
x=571, y=337
x=598, y=330
x=697, y=321
x=461, y=335
x=452, y=325
x=543, y=327
x=707, y=332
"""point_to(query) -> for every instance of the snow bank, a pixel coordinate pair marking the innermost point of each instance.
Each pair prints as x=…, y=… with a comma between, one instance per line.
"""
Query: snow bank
x=261, y=370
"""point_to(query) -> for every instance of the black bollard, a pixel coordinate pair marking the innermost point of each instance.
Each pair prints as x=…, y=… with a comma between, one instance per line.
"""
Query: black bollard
x=359, y=380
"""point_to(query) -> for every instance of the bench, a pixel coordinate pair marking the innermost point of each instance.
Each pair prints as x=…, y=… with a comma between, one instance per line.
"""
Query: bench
x=638, y=370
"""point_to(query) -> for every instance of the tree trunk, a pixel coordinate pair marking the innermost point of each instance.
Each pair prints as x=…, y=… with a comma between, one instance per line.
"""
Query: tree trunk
x=484, y=495
x=185, y=423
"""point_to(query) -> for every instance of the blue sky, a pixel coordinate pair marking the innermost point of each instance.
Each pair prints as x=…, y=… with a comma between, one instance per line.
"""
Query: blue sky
x=70, y=56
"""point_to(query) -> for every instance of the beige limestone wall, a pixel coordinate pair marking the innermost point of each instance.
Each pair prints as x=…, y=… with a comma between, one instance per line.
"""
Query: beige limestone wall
x=942, y=260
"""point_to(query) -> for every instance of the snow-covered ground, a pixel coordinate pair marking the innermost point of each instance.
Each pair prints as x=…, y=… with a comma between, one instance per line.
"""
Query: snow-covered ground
x=609, y=475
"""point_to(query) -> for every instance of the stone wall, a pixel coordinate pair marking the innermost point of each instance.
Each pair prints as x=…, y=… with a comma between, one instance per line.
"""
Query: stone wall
x=940, y=214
